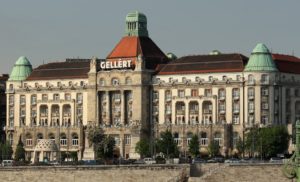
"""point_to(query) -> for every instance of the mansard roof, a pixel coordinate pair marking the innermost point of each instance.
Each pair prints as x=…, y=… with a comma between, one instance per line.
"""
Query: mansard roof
x=287, y=63
x=205, y=64
x=70, y=69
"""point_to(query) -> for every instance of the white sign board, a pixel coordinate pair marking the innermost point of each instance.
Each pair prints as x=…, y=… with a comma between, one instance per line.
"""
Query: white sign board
x=116, y=64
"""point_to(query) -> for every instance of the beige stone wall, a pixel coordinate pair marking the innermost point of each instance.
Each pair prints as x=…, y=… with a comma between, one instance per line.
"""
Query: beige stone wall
x=93, y=174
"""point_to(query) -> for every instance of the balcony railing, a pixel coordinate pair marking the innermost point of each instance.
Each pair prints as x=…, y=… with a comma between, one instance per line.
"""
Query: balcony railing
x=168, y=112
x=207, y=111
x=204, y=141
x=194, y=112
x=222, y=111
x=63, y=142
x=180, y=112
x=177, y=141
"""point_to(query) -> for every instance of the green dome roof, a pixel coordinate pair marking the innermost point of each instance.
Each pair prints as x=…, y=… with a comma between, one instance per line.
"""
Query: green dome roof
x=21, y=70
x=261, y=59
x=171, y=56
x=136, y=16
x=136, y=24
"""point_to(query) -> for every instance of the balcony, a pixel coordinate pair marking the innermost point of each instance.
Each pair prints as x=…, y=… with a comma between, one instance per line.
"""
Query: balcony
x=67, y=115
x=203, y=141
x=168, y=112
x=222, y=111
x=207, y=111
x=155, y=100
x=194, y=112
x=63, y=142
x=180, y=112
x=222, y=97
x=55, y=114
x=168, y=98
x=177, y=141
x=117, y=101
x=251, y=97
x=23, y=103
x=236, y=111
x=79, y=101
x=236, y=97
x=155, y=113
x=44, y=114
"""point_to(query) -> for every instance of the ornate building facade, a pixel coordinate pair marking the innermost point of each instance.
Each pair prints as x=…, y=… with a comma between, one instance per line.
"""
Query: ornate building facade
x=138, y=92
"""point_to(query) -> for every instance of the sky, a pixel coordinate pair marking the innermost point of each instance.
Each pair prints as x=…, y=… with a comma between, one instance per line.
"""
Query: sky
x=47, y=31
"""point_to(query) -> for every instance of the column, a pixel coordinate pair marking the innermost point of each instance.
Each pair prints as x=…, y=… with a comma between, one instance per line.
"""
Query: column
x=123, y=102
x=37, y=114
x=186, y=115
x=60, y=114
x=173, y=113
x=107, y=110
x=49, y=114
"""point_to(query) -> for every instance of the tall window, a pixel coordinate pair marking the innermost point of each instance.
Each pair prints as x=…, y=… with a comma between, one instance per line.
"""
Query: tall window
x=56, y=97
x=68, y=97
x=127, y=139
x=194, y=92
x=221, y=93
x=251, y=79
x=264, y=91
x=265, y=79
x=44, y=97
x=22, y=100
x=235, y=119
x=79, y=97
x=181, y=93
x=11, y=100
x=207, y=92
x=33, y=99
x=236, y=92
x=251, y=92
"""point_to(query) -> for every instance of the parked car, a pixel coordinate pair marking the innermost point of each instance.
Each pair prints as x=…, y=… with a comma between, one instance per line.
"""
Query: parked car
x=216, y=160
x=198, y=160
x=149, y=161
x=7, y=163
x=275, y=160
x=232, y=160
x=139, y=161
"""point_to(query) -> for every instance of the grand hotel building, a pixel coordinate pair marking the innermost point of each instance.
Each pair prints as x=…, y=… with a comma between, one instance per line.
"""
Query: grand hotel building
x=138, y=92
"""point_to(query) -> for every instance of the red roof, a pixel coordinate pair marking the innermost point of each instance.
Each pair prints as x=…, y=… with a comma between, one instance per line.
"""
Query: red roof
x=133, y=46
x=205, y=64
x=61, y=70
x=287, y=63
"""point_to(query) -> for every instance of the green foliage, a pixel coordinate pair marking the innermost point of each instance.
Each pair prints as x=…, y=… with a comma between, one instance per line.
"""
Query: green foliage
x=143, y=148
x=167, y=145
x=267, y=141
x=6, y=151
x=20, y=151
x=194, y=146
x=240, y=146
x=213, y=148
x=103, y=144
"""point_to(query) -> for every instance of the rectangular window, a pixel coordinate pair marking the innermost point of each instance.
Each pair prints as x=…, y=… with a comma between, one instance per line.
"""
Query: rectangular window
x=127, y=139
x=75, y=142
x=22, y=100
x=155, y=95
x=194, y=92
x=68, y=97
x=63, y=142
x=207, y=92
x=56, y=97
x=181, y=93
x=44, y=97
x=168, y=96
x=79, y=98
x=265, y=105
x=33, y=99
x=11, y=100
x=236, y=92
x=236, y=119
x=28, y=142
x=264, y=91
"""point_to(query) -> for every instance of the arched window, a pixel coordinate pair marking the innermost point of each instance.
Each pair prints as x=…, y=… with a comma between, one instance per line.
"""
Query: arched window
x=75, y=139
x=63, y=139
x=115, y=81
x=251, y=79
x=11, y=138
x=51, y=136
x=39, y=137
x=28, y=141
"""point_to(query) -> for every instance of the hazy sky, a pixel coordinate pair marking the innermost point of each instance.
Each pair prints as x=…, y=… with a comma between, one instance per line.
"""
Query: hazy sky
x=53, y=30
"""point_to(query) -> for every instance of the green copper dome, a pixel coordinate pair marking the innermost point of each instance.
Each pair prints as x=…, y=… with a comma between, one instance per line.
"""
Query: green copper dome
x=171, y=56
x=21, y=70
x=136, y=24
x=261, y=59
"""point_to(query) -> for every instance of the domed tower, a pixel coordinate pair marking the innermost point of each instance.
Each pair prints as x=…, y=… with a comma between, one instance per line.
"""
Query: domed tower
x=136, y=24
x=260, y=60
x=21, y=70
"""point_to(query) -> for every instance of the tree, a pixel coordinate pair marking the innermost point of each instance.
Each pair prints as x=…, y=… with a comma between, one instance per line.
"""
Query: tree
x=20, y=151
x=194, y=146
x=267, y=142
x=142, y=147
x=103, y=144
x=240, y=146
x=167, y=145
x=213, y=148
x=6, y=151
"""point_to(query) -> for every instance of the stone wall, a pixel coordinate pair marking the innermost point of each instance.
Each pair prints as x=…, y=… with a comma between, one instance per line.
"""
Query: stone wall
x=244, y=173
x=134, y=173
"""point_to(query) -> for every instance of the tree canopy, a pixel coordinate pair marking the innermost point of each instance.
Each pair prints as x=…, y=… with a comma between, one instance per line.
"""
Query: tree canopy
x=20, y=151
x=167, y=145
x=194, y=148
x=143, y=148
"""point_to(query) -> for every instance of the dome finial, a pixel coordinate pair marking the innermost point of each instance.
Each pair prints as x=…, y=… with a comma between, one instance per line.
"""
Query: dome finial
x=136, y=24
